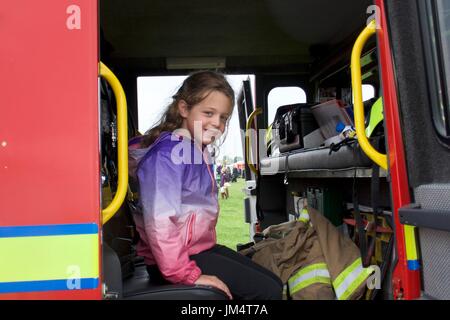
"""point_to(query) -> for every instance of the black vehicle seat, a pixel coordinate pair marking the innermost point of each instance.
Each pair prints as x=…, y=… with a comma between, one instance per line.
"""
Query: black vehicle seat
x=125, y=273
x=139, y=285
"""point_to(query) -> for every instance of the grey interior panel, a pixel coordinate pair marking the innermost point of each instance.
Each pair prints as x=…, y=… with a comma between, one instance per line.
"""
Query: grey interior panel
x=435, y=244
x=317, y=159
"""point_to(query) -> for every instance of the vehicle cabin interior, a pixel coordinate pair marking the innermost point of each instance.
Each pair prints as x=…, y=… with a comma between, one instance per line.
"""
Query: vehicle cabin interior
x=286, y=43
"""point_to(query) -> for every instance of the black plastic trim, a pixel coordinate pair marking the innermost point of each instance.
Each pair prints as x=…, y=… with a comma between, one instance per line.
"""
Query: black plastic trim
x=425, y=218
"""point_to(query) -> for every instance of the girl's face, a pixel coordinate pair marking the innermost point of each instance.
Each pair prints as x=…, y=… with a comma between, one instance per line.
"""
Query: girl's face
x=206, y=120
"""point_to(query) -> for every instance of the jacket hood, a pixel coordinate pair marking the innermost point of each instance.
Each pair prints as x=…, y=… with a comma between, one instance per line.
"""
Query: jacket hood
x=136, y=153
x=134, y=157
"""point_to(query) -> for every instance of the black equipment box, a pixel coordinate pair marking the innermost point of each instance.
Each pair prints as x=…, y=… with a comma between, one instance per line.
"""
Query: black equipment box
x=293, y=122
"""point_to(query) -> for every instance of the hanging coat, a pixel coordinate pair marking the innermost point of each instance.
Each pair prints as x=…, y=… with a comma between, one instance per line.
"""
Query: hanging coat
x=312, y=258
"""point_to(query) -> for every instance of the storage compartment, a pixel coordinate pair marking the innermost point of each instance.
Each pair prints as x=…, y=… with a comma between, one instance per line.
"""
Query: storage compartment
x=347, y=158
x=328, y=202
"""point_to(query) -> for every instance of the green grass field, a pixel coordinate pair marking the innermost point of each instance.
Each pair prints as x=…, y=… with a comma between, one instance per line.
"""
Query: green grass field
x=231, y=227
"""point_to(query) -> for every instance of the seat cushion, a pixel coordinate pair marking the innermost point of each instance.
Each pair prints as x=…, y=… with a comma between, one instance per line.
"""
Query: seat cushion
x=139, y=287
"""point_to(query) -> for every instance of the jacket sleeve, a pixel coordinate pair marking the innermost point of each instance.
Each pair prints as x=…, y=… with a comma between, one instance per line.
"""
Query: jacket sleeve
x=160, y=181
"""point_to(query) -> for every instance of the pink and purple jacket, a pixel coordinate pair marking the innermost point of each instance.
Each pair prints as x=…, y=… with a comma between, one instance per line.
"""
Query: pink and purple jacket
x=178, y=199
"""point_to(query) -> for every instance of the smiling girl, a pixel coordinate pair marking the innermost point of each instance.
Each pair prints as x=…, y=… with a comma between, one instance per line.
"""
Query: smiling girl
x=178, y=196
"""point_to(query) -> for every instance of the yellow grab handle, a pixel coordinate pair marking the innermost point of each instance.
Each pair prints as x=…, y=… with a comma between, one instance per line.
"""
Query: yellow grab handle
x=122, y=143
x=247, y=138
x=378, y=158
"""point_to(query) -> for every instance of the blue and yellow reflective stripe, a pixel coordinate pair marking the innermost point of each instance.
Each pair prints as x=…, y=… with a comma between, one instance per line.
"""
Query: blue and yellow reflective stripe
x=48, y=230
x=350, y=279
x=411, y=248
x=52, y=257
x=312, y=274
x=47, y=285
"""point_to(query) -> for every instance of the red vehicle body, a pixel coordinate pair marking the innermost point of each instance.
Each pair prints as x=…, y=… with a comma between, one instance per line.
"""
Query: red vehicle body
x=51, y=222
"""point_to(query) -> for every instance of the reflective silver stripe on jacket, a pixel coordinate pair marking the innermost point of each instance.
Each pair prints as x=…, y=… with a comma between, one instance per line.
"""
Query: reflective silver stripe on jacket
x=315, y=273
x=350, y=279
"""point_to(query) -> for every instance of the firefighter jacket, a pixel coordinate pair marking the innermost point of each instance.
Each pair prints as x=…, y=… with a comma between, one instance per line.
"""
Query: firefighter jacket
x=313, y=259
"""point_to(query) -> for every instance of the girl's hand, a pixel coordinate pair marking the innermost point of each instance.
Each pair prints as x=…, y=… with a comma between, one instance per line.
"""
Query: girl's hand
x=215, y=282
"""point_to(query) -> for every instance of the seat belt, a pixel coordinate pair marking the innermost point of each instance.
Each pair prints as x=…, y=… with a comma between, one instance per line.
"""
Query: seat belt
x=375, y=189
x=359, y=222
x=259, y=213
x=286, y=170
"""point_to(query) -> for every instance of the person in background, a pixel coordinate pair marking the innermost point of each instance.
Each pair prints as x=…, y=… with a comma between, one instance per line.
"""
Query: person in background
x=219, y=169
x=235, y=174
x=224, y=184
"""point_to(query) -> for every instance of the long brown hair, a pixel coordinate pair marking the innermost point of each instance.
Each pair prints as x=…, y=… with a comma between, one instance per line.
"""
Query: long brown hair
x=193, y=90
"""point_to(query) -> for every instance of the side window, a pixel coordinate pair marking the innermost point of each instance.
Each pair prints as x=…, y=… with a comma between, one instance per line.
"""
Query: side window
x=281, y=96
x=436, y=32
x=368, y=92
x=330, y=93
x=155, y=94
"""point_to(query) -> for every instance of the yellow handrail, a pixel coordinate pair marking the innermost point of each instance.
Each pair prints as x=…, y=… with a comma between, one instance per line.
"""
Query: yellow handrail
x=377, y=157
x=247, y=139
x=122, y=143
